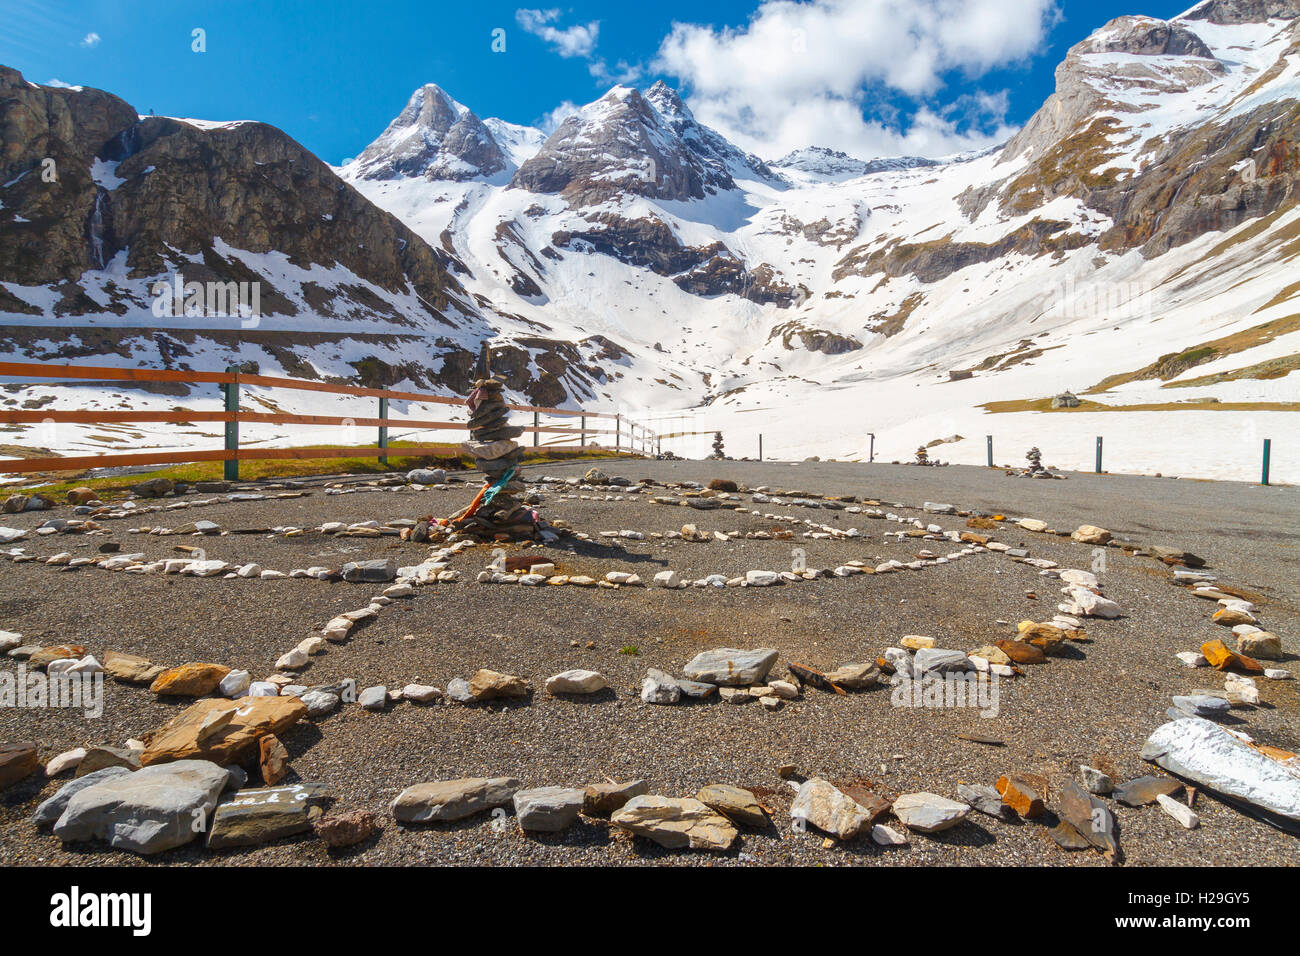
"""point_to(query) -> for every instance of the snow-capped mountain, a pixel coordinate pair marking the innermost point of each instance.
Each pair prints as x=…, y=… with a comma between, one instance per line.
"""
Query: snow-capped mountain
x=817, y=164
x=1134, y=243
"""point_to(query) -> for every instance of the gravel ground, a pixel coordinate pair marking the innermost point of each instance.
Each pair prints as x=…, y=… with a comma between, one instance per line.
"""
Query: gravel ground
x=1095, y=705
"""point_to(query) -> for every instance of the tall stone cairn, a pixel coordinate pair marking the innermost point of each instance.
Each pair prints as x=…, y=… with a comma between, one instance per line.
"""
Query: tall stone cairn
x=494, y=450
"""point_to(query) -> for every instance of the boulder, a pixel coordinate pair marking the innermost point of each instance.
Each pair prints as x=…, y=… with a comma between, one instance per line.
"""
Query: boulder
x=252, y=718
x=443, y=800
x=148, y=811
x=426, y=476
x=676, y=823
x=45, y=656
x=273, y=759
x=731, y=667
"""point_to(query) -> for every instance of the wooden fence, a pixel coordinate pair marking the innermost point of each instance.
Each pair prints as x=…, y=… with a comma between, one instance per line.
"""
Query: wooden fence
x=628, y=435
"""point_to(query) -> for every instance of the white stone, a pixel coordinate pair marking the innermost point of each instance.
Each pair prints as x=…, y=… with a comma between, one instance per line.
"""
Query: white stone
x=291, y=661
x=1192, y=658
x=235, y=684
x=887, y=836
x=1179, y=811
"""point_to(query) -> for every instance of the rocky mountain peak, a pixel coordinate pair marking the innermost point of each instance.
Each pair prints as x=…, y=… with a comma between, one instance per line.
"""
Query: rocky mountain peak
x=617, y=145
x=1230, y=12
x=1144, y=36
x=434, y=137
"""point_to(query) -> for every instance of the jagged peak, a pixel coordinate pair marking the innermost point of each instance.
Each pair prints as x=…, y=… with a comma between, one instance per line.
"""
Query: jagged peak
x=1232, y=12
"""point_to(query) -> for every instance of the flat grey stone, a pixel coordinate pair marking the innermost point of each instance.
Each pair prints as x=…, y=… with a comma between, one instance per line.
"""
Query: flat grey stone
x=985, y=799
x=934, y=660
x=929, y=812
x=1201, y=705
x=731, y=667
x=379, y=570
x=659, y=688
x=443, y=800
x=50, y=811
x=151, y=810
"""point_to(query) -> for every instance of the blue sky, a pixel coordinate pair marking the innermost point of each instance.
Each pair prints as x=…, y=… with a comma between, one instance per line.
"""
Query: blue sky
x=873, y=77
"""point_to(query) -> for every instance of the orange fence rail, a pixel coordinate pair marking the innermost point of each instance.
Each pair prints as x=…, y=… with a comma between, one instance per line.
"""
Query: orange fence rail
x=628, y=435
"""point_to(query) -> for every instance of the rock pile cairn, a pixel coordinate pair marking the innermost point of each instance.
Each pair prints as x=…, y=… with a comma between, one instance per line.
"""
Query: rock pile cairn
x=497, y=514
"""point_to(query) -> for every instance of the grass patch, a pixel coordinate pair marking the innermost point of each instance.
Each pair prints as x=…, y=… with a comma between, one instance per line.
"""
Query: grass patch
x=56, y=483
x=1175, y=363
x=1045, y=405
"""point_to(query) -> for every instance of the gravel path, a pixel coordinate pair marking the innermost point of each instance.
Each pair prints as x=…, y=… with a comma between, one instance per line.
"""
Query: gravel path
x=1096, y=705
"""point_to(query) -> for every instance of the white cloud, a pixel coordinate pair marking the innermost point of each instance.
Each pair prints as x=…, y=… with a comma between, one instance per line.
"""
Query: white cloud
x=90, y=40
x=577, y=40
x=551, y=121
x=802, y=73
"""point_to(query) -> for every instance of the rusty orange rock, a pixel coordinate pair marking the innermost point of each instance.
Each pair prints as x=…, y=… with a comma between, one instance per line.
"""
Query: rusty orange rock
x=189, y=735
x=1044, y=636
x=1020, y=796
x=1020, y=652
x=1218, y=655
x=55, y=652
x=189, y=680
x=274, y=759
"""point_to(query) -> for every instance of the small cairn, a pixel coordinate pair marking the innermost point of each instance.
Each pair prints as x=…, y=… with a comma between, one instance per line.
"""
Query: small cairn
x=1036, y=468
x=718, y=452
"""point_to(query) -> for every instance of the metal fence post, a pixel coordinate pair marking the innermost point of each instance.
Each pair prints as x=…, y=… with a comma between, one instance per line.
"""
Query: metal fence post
x=582, y=422
x=383, y=429
x=988, y=441
x=1268, y=446
x=232, y=427
x=760, y=446
x=1099, y=454
x=537, y=435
